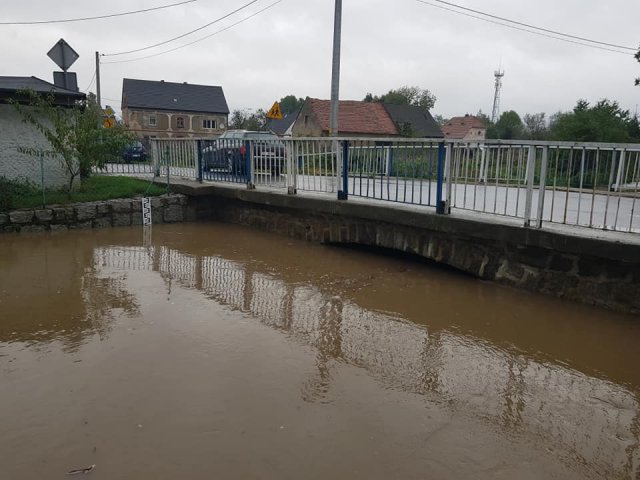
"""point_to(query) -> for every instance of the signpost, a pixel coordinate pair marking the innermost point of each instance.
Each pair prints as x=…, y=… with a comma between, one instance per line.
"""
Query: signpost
x=63, y=55
x=109, y=117
x=275, y=113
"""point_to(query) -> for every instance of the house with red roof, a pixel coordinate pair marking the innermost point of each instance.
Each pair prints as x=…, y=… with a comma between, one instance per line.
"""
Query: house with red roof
x=360, y=119
x=468, y=128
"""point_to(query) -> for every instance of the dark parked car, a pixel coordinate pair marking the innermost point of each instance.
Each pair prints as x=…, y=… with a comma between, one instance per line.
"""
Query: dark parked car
x=228, y=153
x=134, y=152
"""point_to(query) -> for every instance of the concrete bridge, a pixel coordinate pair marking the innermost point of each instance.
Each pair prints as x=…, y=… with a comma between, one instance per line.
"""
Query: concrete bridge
x=594, y=267
x=558, y=218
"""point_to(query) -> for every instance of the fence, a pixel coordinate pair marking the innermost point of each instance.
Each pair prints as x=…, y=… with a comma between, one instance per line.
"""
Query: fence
x=581, y=184
x=588, y=185
x=177, y=157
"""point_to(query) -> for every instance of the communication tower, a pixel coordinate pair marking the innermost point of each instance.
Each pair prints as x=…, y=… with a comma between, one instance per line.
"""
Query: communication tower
x=496, y=98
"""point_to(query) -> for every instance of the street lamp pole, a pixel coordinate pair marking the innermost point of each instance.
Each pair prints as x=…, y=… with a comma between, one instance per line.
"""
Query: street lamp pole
x=335, y=72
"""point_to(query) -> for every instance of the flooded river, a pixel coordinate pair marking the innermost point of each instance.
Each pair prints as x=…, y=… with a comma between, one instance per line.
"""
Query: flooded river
x=216, y=352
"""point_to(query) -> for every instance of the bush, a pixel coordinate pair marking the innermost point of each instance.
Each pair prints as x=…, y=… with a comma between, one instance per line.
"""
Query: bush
x=11, y=191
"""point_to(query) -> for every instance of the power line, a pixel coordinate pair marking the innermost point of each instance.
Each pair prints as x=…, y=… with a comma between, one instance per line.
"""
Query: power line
x=522, y=29
x=40, y=22
x=91, y=82
x=184, y=34
x=575, y=37
x=199, y=39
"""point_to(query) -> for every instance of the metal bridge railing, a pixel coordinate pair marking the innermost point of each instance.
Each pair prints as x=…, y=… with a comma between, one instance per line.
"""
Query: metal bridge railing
x=582, y=184
x=587, y=185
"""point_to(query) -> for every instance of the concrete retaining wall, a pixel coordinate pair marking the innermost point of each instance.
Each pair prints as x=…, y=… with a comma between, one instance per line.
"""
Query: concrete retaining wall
x=576, y=267
x=110, y=213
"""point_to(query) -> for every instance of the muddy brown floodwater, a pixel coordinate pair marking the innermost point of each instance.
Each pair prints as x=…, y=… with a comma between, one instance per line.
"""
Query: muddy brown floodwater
x=212, y=351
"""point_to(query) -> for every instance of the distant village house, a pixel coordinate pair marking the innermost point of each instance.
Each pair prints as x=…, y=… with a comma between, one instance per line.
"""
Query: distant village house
x=365, y=119
x=467, y=128
x=159, y=109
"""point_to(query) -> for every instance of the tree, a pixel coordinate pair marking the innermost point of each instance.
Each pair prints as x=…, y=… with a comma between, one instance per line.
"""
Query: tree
x=535, y=126
x=508, y=127
x=603, y=122
x=248, y=120
x=414, y=96
x=74, y=133
x=440, y=120
x=290, y=104
x=484, y=118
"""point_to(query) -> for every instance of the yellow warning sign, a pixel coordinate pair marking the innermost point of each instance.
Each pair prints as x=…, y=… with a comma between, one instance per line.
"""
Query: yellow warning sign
x=275, y=112
x=108, y=117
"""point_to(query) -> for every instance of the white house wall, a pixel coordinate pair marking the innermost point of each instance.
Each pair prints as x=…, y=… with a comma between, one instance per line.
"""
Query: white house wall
x=14, y=133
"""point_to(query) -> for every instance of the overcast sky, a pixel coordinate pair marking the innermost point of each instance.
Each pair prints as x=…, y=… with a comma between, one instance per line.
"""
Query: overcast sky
x=385, y=44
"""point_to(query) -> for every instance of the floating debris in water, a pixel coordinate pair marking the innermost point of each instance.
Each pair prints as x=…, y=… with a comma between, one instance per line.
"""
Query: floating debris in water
x=79, y=471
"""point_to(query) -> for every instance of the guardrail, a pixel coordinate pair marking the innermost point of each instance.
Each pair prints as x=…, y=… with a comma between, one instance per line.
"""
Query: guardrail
x=588, y=185
x=593, y=185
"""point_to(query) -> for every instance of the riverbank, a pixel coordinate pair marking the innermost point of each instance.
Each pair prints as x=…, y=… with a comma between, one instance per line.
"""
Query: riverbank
x=587, y=267
x=169, y=208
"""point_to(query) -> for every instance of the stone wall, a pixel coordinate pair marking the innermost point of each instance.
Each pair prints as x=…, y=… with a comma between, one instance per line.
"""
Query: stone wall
x=109, y=213
x=580, y=268
x=15, y=133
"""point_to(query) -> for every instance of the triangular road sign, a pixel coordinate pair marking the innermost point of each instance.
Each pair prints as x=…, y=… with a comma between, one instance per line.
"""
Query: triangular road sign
x=275, y=112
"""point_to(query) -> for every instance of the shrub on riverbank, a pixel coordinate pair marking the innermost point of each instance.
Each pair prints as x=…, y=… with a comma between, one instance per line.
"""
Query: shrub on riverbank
x=15, y=194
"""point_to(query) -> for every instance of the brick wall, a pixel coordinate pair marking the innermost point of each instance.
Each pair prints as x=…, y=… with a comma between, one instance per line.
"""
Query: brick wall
x=15, y=133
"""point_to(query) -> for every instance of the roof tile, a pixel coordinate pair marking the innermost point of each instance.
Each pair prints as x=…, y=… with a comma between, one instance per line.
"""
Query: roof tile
x=355, y=117
x=458, y=127
x=182, y=97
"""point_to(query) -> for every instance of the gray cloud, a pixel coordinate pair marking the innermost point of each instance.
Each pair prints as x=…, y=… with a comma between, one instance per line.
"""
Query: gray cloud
x=386, y=44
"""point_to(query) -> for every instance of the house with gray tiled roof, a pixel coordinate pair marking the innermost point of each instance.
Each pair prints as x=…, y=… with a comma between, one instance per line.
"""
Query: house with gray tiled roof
x=283, y=127
x=159, y=109
x=413, y=121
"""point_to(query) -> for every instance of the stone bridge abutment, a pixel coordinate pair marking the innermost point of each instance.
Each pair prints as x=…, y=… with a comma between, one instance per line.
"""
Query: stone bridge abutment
x=575, y=265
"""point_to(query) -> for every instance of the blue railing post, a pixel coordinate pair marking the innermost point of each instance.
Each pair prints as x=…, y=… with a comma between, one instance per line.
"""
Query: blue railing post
x=441, y=206
x=343, y=194
x=199, y=166
x=247, y=164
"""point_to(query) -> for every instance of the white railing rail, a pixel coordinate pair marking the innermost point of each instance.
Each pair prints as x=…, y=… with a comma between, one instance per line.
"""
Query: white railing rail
x=594, y=185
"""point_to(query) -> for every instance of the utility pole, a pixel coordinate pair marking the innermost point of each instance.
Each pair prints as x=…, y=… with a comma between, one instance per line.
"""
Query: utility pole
x=98, y=80
x=335, y=72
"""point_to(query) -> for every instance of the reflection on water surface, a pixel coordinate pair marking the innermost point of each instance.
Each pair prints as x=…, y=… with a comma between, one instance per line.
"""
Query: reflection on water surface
x=515, y=381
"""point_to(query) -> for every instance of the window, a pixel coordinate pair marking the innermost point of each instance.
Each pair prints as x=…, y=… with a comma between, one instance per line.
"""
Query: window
x=306, y=120
x=153, y=121
x=180, y=122
x=208, y=124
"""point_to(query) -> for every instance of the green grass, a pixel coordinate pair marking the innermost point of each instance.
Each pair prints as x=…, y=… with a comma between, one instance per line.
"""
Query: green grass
x=95, y=188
